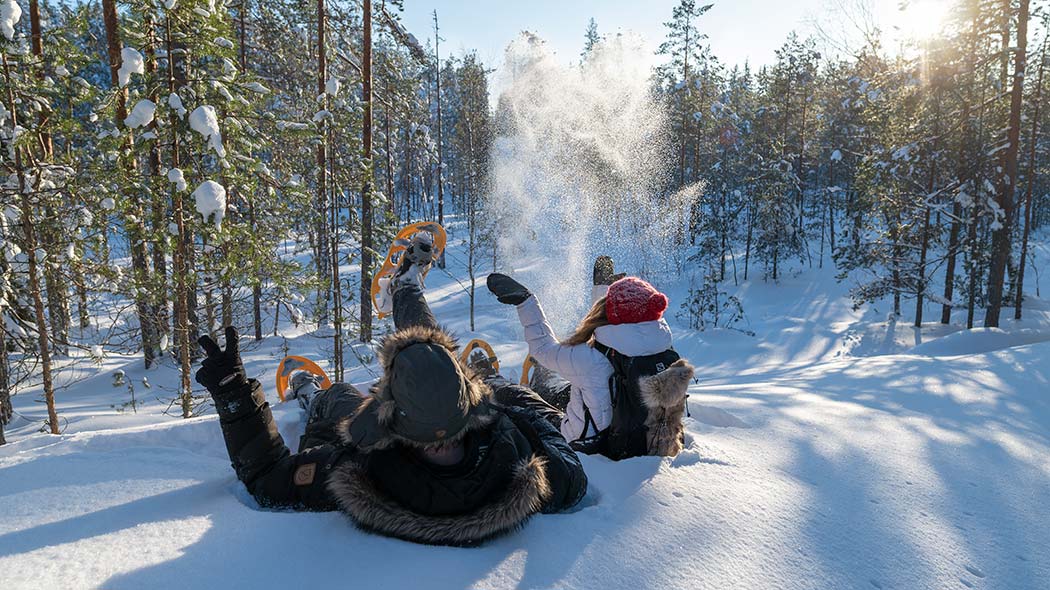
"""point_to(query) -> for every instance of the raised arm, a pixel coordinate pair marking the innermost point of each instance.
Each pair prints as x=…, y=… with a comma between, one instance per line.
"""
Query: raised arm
x=573, y=363
x=581, y=365
x=273, y=475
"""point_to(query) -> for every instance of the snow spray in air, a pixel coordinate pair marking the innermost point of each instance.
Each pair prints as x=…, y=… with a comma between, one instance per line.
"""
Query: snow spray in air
x=580, y=168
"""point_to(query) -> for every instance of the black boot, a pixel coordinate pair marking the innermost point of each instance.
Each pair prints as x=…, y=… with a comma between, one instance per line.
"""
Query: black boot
x=604, y=272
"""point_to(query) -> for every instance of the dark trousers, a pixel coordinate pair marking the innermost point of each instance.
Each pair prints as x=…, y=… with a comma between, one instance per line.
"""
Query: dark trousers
x=512, y=394
x=326, y=409
x=411, y=309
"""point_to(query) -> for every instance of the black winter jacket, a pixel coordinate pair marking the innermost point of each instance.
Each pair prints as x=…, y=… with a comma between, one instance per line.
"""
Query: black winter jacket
x=517, y=464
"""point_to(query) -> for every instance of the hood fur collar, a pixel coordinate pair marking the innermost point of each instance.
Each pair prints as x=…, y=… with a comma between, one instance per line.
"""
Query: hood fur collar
x=664, y=395
x=476, y=400
x=373, y=510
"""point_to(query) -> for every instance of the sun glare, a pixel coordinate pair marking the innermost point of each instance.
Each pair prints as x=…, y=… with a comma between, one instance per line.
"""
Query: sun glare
x=922, y=19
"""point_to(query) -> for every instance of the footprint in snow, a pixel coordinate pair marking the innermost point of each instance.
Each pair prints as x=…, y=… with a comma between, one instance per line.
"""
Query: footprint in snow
x=876, y=584
x=973, y=570
x=966, y=583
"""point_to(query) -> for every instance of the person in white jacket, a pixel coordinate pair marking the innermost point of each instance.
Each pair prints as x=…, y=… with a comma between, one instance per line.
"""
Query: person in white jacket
x=628, y=318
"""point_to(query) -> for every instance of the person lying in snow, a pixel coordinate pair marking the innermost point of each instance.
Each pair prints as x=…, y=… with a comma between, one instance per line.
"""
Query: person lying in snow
x=626, y=388
x=428, y=457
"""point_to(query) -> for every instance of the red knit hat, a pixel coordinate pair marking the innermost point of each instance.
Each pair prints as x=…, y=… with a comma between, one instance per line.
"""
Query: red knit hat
x=631, y=300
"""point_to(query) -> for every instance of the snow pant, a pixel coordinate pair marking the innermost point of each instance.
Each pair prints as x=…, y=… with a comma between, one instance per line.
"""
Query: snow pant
x=411, y=309
x=325, y=411
x=512, y=394
x=550, y=386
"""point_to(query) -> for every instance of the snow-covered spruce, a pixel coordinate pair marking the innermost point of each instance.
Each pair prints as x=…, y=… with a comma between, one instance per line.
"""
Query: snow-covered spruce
x=203, y=121
x=210, y=200
x=131, y=62
x=141, y=115
x=175, y=177
x=10, y=13
x=175, y=103
x=331, y=86
x=257, y=87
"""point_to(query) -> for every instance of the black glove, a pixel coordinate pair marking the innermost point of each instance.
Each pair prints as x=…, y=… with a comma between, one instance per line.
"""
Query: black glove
x=365, y=429
x=223, y=370
x=507, y=290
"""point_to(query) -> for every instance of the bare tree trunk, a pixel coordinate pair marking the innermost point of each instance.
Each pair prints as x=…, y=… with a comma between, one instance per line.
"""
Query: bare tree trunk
x=30, y=243
x=38, y=306
x=750, y=232
x=971, y=304
x=132, y=220
x=159, y=228
x=685, y=109
x=1008, y=179
x=6, y=411
x=389, y=166
x=366, y=192
x=227, y=304
x=37, y=46
x=57, y=291
x=256, y=280
x=949, y=272
x=323, y=262
x=180, y=259
x=440, y=145
x=1030, y=176
x=337, y=288
x=920, y=292
x=831, y=211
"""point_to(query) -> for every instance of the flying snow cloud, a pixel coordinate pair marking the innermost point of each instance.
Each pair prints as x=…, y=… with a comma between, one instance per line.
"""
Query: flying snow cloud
x=579, y=168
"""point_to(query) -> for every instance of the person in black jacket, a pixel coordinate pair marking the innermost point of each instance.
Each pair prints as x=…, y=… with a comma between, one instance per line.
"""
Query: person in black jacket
x=429, y=456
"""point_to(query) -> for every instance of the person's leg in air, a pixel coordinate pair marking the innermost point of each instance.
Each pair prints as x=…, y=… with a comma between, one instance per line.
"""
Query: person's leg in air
x=409, y=305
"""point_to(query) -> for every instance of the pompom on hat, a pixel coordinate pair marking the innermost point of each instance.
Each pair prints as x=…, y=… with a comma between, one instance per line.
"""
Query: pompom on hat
x=631, y=300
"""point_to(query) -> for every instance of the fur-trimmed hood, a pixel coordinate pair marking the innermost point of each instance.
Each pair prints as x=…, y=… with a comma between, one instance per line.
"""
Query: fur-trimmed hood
x=469, y=411
x=373, y=510
x=664, y=396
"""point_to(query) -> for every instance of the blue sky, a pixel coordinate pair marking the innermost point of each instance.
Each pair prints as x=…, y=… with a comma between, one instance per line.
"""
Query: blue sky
x=738, y=30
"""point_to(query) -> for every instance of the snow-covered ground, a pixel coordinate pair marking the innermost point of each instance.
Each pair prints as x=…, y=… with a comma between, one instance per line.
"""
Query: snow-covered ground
x=834, y=449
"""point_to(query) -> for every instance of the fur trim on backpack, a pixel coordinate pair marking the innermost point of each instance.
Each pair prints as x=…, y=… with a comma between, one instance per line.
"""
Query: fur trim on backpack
x=664, y=395
x=373, y=510
x=475, y=401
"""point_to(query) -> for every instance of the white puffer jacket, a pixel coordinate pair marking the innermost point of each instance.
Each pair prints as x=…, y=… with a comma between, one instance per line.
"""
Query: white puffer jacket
x=586, y=368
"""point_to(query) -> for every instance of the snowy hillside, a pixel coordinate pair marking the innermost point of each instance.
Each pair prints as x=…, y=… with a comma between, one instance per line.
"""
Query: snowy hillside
x=823, y=453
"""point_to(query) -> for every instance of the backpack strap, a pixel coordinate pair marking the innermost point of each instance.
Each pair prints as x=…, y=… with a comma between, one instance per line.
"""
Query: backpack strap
x=606, y=351
x=588, y=421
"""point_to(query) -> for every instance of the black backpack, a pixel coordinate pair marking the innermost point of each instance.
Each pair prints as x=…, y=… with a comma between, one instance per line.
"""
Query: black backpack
x=626, y=436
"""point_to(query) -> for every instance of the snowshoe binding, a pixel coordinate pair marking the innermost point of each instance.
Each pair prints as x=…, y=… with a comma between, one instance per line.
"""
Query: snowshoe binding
x=411, y=255
x=480, y=358
x=297, y=365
